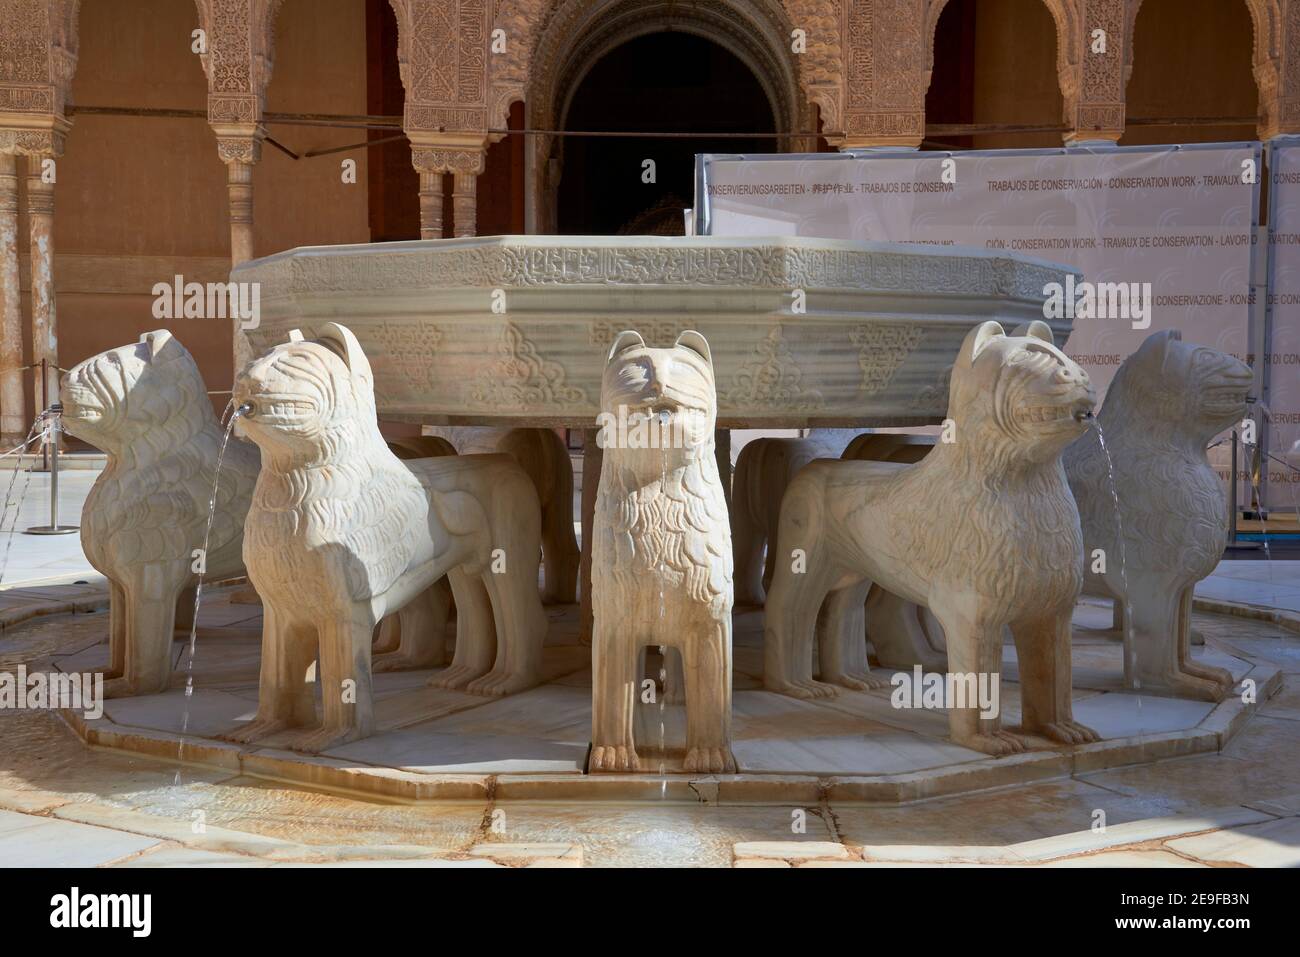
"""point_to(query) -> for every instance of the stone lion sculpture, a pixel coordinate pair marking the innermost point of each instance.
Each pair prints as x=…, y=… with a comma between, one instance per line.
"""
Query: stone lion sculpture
x=543, y=455
x=661, y=555
x=146, y=406
x=421, y=644
x=1167, y=401
x=983, y=531
x=341, y=532
x=764, y=468
x=903, y=634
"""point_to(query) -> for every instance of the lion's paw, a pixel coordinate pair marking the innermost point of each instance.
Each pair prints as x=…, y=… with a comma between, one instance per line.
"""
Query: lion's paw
x=496, y=684
x=454, y=678
x=255, y=730
x=613, y=758
x=1069, y=732
x=710, y=761
x=996, y=743
x=803, y=689
x=324, y=738
x=860, y=681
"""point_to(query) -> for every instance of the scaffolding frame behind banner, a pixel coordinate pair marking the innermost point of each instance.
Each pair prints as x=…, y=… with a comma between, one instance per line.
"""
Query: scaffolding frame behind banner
x=1258, y=314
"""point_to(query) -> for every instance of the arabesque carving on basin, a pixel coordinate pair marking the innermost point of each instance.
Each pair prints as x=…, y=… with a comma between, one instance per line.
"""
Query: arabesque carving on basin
x=515, y=329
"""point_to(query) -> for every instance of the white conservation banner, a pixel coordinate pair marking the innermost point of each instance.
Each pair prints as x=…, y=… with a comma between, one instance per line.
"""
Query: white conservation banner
x=1164, y=235
x=1283, y=353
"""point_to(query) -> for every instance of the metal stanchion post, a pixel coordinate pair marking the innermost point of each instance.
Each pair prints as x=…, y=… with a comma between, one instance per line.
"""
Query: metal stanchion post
x=1233, y=541
x=51, y=445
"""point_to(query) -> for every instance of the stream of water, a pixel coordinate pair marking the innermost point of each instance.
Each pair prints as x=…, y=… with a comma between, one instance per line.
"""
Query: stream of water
x=1131, y=678
x=192, y=644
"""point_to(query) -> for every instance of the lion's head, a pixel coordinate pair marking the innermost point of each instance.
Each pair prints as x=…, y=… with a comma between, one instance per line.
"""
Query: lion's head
x=1018, y=394
x=661, y=394
x=307, y=396
x=138, y=395
x=1176, y=386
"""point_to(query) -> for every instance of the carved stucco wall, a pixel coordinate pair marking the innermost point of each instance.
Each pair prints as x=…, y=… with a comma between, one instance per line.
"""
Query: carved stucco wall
x=38, y=56
x=867, y=65
x=550, y=44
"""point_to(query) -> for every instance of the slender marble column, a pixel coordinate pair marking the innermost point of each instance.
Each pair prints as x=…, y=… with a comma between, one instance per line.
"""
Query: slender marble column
x=464, y=204
x=45, y=331
x=431, y=204
x=239, y=186
x=13, y=417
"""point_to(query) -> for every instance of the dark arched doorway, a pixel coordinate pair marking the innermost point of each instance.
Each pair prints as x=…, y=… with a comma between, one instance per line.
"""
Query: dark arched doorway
x=657, y=83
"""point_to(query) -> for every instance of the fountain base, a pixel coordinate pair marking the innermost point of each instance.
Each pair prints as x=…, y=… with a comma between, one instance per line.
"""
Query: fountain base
x=439, y=745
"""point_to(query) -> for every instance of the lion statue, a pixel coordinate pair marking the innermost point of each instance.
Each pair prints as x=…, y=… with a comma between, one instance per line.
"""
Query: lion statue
x=543, y=455
x=422, y=643
x=983, y=531
x=1167, y=401
x=341, y=532
x=661, y=554
x=764, y=468
x=142, y=526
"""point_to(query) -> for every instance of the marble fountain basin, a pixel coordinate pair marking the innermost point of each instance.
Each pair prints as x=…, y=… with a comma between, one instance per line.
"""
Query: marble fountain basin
x=514, y=330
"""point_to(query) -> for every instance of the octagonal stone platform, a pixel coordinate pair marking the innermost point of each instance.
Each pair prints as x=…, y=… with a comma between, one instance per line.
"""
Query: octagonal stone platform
x=514, y=330
x=434, y=745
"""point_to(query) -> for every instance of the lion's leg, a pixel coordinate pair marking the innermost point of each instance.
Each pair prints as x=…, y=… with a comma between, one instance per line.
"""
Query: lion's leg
x=897, y=630
x=747, y=542
x=1043, y=652
x=790, y=627
x=151, y=596
x=975, y=649
x=285, y=699
x=520, y=629
x=347, y=696
x=708, y=700
x=842, y=640
x=116, y=632
x=1157, y=644
x=770, y=524
x=388, y=635
x=747, y=537
x=615, y=656
x=475, y=632
x=559, y=545
x=184, y=620
x=422, y=625
x=674, y=675
x=1186, y=664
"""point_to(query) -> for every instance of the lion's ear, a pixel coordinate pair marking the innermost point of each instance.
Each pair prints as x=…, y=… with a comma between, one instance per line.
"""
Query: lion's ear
x=690, y=339
x=157, y=341
x=342, y=341
x=627, y=339
x=1035, y=330
x=977, y=339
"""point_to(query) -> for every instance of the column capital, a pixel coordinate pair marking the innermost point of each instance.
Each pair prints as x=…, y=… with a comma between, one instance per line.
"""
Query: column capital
x=240, y=144
x=448, y=159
